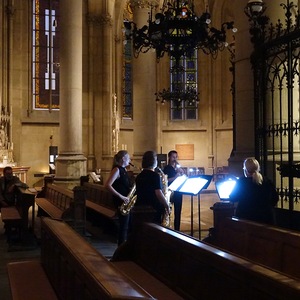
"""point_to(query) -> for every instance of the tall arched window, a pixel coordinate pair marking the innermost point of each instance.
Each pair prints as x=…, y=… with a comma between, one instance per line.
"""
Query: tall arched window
x=127, y=81
x=45, y=54
x=127, y=86
x=187, y=78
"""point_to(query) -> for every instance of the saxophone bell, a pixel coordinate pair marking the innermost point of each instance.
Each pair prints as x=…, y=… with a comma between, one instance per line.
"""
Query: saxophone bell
x=125, y=208
x=166, y=192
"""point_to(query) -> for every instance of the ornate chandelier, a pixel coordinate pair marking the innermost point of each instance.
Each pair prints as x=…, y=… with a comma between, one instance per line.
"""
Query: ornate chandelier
x=177, y=31
x=179, y=93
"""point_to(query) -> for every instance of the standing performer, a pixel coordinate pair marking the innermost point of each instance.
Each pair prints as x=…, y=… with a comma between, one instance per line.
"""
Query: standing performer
x=119, y=185
x=173, y=171
x=149, y=188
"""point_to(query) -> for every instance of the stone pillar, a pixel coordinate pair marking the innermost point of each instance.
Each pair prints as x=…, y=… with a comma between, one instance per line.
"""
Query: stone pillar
x=100, y=81
x=144, y=88
x=244, y=125
x=70, y=164
x=107, y=95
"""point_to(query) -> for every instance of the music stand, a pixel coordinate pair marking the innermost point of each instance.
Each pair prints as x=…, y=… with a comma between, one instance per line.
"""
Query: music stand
x=192, y=186
x=225, y=187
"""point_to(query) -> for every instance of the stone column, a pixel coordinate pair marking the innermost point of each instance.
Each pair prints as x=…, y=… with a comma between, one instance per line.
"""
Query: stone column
x=144, y=88
x=244, y=124
x=70, y=164
x=107, y=95
x=100, y=98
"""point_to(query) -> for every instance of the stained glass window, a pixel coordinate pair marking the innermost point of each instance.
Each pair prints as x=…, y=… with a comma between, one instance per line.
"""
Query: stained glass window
x=127, y=81
x=45, y=54
x=187, y=79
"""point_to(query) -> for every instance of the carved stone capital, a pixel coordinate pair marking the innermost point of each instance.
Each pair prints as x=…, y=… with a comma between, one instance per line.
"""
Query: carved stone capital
x=97, y=20
x=143, y=4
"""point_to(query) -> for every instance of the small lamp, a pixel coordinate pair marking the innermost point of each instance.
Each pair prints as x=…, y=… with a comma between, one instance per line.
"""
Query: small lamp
x=255, y=8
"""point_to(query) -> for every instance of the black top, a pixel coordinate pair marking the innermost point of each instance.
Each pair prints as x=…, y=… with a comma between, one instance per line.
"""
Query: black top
x=121, y=185
x=170, y=171
x=255, y=202
x=146, y=184
x=5, y=184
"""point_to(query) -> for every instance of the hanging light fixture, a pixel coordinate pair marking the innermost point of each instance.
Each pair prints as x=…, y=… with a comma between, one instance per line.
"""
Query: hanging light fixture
x=177, y=31
x=179, y=93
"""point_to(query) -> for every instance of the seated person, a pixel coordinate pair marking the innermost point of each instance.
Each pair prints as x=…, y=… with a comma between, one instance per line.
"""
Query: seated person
x=8, y=185
x=255, y=194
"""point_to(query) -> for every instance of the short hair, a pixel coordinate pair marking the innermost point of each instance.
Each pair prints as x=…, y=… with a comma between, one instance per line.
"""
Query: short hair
x=149, y=159
x=172, y=152
x=8, y=168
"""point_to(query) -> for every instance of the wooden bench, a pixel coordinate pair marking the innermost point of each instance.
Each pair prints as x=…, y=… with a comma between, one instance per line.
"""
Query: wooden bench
x=70, y=268
x=156, y=257
x=11, y=218
x=28, y=281
x=271, y=246
x=100, y=200
x=17, y=216
x=63, y=204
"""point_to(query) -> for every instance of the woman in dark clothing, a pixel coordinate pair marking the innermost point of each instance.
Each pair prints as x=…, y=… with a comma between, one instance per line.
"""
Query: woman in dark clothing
x=118, y=184
x=255, y=195
x=149, y=188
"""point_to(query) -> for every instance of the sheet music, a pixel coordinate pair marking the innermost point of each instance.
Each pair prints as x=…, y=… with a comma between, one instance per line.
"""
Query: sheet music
x=193, y=185
x=188, y=185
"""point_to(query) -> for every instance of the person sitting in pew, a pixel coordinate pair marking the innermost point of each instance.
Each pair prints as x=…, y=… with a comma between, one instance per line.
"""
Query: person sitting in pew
x=8, y=187
x=254, y=194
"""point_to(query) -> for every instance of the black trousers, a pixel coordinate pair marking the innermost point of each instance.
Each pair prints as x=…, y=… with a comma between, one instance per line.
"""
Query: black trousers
x=123, y=227
x=176, y=199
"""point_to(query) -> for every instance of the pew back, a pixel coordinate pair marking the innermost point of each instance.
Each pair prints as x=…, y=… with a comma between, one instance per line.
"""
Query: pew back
x=76, y=270
x=59, y=196
x=55, y=202
x=271, y=246
x=99, y=199
x=196, y=270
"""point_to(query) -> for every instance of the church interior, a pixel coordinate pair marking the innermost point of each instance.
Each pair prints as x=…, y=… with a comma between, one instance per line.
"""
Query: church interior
x=81, y=80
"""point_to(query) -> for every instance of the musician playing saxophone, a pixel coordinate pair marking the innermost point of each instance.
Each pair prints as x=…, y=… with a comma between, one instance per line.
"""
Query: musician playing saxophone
x=118, y=183
x=173, y=170
x=149, y=188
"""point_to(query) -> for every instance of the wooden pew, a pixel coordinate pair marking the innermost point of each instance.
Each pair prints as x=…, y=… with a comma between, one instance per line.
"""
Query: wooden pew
x=100, y=200
x=17, y=216
x=70, y=268
x=155, y=257
x=63, y=204
x=271, y=246
x=12, y=218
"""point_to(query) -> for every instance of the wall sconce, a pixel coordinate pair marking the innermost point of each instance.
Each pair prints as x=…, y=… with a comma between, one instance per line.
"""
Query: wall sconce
x=254, y=10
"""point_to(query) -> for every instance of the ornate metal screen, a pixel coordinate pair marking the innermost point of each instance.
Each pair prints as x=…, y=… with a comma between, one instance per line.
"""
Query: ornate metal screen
x=275, y=61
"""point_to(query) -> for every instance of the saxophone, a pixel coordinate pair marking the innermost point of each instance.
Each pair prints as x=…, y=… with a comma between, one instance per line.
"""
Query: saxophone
x=164, y=180
x=126, y=207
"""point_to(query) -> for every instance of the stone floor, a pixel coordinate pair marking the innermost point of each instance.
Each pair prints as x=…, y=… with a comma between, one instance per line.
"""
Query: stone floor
x=105, y=242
